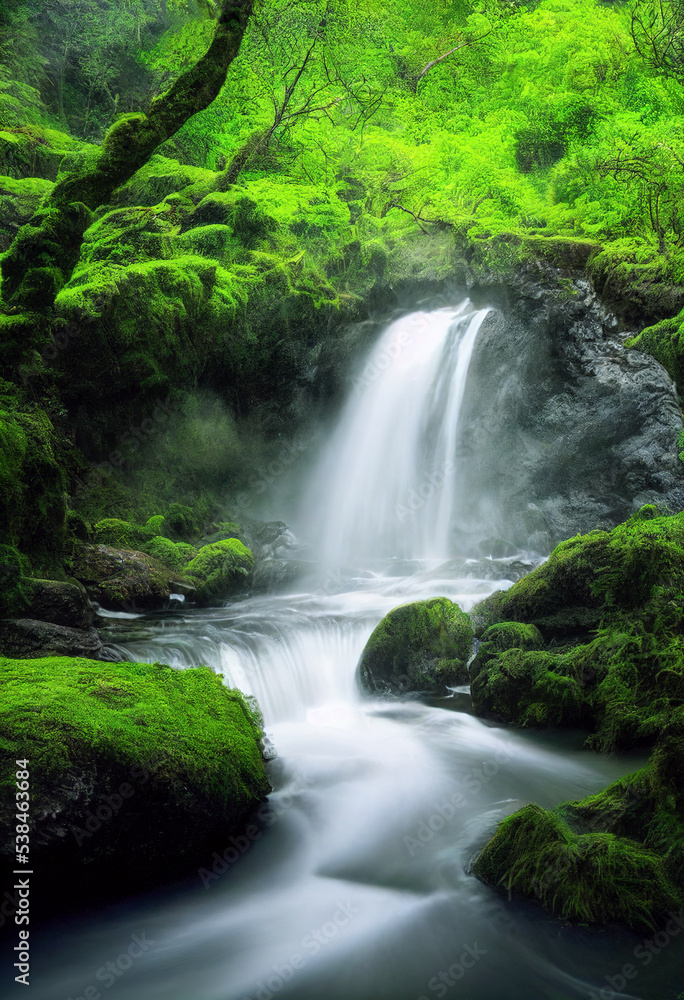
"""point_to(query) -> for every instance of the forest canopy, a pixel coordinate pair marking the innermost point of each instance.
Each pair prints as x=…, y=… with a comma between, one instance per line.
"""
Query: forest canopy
x=352, y=144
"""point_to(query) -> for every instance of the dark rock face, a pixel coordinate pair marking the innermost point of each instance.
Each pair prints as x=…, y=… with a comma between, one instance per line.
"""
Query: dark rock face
x=60, y=603
x=25, y=638
x=563, y=429
x=420, y=647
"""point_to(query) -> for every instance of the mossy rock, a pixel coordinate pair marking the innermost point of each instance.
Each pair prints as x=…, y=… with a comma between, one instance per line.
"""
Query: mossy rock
x=33, y=152
x=591, y=579
x=665, y=342
x=420, y=647
x=180, y=523
x=159, y=177
x=15, y=587
x=123, y=579
x=138, y=772
x=614, y=857
x=221, y=570
x=606, y=652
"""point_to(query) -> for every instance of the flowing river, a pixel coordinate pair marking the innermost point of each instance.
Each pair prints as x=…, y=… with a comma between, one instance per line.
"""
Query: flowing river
x=354, y=882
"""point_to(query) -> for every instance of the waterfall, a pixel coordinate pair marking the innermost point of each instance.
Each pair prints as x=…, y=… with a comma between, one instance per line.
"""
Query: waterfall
x=388, y=484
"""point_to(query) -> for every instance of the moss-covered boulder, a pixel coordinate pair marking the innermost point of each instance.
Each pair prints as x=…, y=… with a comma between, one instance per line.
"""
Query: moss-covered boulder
x=138, y=772
x=614, y=857
x=121, y=578
x=606, y=651
x=220, y=570
x=419, y=647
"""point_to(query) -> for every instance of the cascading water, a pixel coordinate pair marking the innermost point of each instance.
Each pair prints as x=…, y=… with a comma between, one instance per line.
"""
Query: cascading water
x=388, y=483
x=356, y=887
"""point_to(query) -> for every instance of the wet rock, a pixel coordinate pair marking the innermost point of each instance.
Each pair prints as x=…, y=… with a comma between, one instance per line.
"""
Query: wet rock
x=122, y=579
x=60, y=603
x=24, y=638
x=273, y=575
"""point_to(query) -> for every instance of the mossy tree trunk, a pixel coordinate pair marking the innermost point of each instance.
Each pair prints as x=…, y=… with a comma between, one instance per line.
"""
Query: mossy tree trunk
x=46, y=250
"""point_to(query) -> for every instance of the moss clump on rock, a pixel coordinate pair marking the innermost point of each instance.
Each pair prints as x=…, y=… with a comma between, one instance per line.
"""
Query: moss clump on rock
x=614, y=857
x=422, y=646
x=138, y=771
x=175, y=555
x=221, y=569
x=122, y=534
x=608, y=653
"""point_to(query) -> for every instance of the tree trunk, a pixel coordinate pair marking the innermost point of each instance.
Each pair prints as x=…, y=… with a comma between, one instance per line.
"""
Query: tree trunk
x=46, y=250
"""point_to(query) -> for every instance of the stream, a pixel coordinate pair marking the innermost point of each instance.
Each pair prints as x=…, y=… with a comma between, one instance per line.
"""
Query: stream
x=353, y=881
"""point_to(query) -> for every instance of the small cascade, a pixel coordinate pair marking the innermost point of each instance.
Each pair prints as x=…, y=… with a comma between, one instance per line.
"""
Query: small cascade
x=388, y=484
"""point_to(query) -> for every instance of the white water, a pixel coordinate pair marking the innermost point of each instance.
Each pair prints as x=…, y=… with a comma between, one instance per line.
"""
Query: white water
x=388, y=483
x=357, y=887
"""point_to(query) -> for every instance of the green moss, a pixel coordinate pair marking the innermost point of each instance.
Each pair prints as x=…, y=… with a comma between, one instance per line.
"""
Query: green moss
x=180, y=522
x=158, y=178
x=222, y=569
x=32, y=485
x=15, y=588
x=18, y=201
x=423, y=646
x=156, y=524
x=595, y=878
x=60, y=711
x=122, y=534
x=186, y=746
x=608, y=607
x=617, y=856
x=665, y=341
x=175, y=555
x=637, y=281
